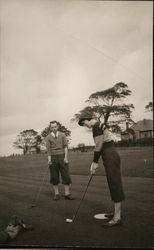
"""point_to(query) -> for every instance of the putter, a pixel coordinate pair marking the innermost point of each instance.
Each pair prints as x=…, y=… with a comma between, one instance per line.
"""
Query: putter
x=40, y=189
x=75, y=215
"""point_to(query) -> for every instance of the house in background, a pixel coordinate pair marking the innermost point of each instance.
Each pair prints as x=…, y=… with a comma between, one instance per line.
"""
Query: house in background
x=140, y=131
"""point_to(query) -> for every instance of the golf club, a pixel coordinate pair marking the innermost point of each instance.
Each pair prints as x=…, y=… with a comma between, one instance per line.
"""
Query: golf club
x=74, y=216
x=40, y=189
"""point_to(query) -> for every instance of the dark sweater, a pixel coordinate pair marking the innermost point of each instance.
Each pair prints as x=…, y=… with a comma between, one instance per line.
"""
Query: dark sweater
x=100, y=135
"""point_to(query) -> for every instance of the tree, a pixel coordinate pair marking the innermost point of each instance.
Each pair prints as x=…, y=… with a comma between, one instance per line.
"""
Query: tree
x=149, y=107
x=38, y=143
x=27, y=139
x=62, y=128
x=81, y=147
x=109, y=105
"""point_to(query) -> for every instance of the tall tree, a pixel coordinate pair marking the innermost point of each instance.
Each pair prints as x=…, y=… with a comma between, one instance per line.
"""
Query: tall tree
x=149, y=107
x=27, y=139
x=109, y=105
x=38, y=143
x=62, y=128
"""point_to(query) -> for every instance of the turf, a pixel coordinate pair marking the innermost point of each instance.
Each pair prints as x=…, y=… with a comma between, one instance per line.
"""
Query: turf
x=20, y=181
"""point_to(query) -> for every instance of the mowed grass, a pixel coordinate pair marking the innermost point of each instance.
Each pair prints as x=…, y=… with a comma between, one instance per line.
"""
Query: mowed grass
x=135, y=162
x=21, y=178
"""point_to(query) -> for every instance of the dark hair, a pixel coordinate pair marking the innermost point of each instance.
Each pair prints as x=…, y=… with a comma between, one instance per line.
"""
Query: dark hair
x=54, y=122
x=84, y=118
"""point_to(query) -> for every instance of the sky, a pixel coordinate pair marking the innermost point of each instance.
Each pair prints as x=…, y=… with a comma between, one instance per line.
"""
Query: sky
x=55, y=54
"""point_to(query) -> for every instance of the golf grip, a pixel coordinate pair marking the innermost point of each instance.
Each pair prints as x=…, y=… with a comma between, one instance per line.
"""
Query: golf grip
x=83, y=196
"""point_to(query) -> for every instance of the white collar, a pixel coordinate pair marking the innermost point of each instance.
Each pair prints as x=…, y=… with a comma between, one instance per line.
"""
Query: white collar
x=53, y=134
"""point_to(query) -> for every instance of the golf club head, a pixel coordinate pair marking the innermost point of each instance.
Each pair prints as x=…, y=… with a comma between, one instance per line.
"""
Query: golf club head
x=69, y=220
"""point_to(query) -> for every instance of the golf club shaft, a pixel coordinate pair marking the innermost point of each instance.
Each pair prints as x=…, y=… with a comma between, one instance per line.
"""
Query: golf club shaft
x=82, y=197
x=39, y=191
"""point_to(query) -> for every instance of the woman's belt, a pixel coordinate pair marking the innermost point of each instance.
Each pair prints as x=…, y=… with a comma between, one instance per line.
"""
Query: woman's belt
x=108, y=144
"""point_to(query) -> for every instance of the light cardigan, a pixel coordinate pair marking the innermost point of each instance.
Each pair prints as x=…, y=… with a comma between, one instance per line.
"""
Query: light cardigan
x=56, y=145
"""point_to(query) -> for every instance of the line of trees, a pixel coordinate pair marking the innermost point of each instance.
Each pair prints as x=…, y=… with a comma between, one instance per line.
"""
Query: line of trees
x=28, y=139
x=149, y=107
x=109, y=105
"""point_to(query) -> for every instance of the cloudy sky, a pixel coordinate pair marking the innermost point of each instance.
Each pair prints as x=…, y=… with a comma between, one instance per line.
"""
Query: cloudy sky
x=54, y=54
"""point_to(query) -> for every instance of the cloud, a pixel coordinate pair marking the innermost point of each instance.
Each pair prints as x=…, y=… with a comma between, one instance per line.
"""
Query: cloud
x=55, y=54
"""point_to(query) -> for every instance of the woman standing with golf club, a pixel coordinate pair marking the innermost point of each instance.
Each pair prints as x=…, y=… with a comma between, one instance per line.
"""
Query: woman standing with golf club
x=57, y=150
x=104, y=146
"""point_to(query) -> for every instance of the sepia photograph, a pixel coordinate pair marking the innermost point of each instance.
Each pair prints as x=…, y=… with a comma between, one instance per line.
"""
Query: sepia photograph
x=76, y=124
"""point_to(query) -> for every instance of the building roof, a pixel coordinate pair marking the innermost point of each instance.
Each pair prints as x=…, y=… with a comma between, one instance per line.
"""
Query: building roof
x=128, y=130
x=143, y=125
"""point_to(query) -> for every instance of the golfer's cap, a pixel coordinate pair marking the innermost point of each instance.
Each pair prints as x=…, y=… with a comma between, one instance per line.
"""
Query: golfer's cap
x=83, y=118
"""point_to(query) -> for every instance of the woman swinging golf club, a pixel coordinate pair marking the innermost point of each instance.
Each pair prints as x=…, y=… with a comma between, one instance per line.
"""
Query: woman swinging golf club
x=104, y=146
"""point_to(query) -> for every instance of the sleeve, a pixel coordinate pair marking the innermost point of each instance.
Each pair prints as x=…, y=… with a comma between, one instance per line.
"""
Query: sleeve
x=107, y=135
x=98, y=142
x=98, y=146
x=65, y=143
x=96, y=156
x=48, y=146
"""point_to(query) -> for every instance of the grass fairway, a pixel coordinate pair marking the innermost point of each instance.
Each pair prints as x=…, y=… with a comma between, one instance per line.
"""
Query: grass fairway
x=20, y=179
